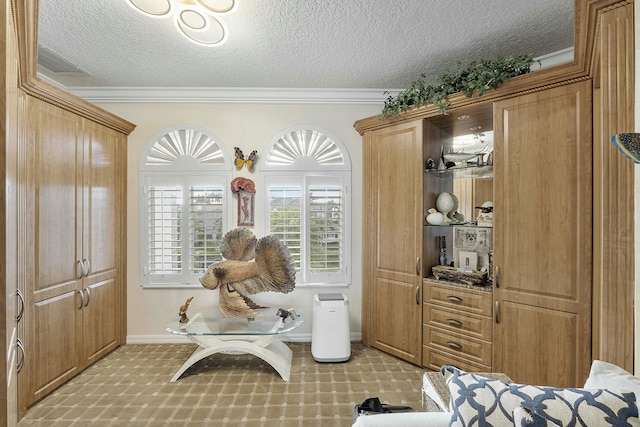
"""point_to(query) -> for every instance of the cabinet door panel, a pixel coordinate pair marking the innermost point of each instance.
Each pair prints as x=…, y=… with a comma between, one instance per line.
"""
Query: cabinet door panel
x=56, y=155
x=543, y=233
x=102, y=198
x=53, y=356
x=100, y=319
x=396, y=321
x=394, y=186
x=541, y=345
x=398, y=201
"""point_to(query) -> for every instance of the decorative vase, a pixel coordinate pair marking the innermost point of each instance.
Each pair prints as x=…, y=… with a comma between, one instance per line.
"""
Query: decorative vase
x=445, y=203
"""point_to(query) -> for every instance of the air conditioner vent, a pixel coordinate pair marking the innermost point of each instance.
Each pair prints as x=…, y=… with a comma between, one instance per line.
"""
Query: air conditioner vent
x=54, y=63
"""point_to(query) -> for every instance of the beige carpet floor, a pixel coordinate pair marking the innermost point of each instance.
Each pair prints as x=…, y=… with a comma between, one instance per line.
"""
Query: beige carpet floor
x=131, y=387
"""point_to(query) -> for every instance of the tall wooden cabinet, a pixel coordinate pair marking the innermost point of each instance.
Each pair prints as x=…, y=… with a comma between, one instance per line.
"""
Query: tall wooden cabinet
x=76, y=198
x=542, y=236
x=562, y=197
x=393, y=190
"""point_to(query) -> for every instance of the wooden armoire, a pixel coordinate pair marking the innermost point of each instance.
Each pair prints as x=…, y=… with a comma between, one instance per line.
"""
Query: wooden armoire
x=63, y=225
x=563, y=258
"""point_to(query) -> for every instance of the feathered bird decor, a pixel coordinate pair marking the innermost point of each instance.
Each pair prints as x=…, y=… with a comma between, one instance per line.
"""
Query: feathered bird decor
x=628, y=144
x=251, y=266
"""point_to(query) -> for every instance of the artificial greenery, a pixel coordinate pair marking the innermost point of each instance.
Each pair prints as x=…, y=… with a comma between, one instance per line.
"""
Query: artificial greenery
x=479, y=76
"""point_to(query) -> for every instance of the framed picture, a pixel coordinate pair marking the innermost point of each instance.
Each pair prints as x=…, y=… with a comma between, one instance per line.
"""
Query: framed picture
x=245, y=208
x=471, y=245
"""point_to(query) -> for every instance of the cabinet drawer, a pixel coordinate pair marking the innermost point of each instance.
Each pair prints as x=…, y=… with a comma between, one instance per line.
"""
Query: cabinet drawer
x=466, y=348
x=469, y=300
x=470, y=325
x=434, y=360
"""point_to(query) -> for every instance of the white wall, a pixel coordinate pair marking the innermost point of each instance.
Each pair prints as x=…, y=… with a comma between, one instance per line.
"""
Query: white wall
x=248, y=126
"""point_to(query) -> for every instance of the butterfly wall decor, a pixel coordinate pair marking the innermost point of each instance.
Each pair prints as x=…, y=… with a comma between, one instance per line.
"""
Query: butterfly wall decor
x=241, y=161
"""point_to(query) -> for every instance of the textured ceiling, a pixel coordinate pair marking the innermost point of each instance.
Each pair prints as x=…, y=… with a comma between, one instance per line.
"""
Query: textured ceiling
x=358, y=44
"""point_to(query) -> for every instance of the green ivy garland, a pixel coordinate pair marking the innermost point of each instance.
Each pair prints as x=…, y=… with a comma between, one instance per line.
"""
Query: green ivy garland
x=479, y=76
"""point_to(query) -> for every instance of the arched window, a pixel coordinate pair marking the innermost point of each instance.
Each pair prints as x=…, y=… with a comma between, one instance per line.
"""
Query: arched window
x=184, y=176
x=308, y=177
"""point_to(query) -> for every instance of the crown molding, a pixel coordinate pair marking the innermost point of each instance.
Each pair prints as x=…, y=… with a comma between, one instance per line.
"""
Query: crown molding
x=231, y=95
x=248, y=95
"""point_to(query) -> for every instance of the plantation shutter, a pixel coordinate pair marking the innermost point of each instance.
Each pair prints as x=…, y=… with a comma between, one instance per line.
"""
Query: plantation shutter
x=325, y=234
x=205, y=226
x=184, y=229
x=164, y=230
x=285, y=217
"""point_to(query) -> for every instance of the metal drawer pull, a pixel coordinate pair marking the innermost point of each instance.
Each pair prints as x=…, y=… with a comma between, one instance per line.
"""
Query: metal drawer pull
x=81, y=300
x=418, y=266
x=88, y=297
x=497, y=305
x=454, y=298
x=454, y=345
x=21, y=311
x=454, y=322
x=20, y=362
x=496, y=276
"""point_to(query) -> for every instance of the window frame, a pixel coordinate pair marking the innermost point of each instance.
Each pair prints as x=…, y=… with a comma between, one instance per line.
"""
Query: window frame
x=306, y=172
x=185, y=170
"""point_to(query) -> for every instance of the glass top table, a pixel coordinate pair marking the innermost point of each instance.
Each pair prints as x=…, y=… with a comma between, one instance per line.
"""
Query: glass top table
x=211, y=322
x=215, y=333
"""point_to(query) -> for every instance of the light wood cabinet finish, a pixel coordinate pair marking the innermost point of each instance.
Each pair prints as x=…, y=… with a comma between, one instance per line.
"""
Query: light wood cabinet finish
x=543, y=236
x=613, y=174
x=393, y=187
x=480, y=327
x=459, y=298
x=10, y=354
x=65, y=198
x=432, y=359
x=457, y=326
x=75, y=302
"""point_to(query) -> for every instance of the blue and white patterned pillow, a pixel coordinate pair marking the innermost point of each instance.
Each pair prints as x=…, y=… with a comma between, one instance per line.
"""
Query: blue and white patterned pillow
x=480, y=401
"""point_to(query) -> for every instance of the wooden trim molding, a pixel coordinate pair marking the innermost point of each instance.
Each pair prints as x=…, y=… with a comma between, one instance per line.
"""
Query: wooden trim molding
x=26, y=18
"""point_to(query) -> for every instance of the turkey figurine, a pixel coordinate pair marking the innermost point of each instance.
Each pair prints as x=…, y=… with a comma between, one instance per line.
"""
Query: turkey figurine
x=251, y=266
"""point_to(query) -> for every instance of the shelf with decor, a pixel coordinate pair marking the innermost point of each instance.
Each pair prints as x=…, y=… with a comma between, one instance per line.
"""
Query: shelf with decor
x=471, y=171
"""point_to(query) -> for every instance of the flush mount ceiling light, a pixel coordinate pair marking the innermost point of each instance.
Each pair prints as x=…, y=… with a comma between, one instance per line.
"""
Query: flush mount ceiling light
x=198, y=20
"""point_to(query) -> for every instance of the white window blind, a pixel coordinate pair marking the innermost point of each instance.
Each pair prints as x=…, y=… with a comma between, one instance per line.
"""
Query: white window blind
x=326, y=229
x=285, y=217
x=307, y=214
x=165, y=220
x=184, y=174
x=185, y=225
x=307, y=179
x=205, y=227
